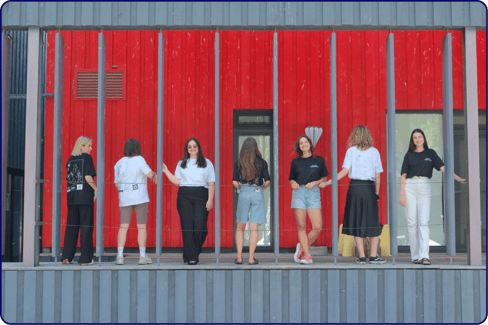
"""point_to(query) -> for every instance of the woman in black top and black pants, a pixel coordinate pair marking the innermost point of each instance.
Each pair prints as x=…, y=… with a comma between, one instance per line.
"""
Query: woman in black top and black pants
x=82, y=192
x=415, y=193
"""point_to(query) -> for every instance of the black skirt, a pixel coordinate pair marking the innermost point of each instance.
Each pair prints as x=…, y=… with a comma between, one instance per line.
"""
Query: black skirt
x=361, y=211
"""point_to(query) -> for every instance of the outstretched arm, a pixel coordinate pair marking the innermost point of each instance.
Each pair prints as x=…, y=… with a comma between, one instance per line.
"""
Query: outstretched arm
x=340, y=175
x=172, y=178
x=456, y=177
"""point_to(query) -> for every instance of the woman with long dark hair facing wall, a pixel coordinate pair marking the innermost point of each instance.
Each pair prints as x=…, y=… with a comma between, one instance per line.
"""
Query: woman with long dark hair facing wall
x=307, y=171
x=195, y=176
x=361, y=219
x=82, y=192
x=415, y=193
x=251, y=178
x=130, y=178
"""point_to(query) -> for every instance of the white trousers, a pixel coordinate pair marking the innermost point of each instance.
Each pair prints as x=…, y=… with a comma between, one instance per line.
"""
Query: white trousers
x=417, y=213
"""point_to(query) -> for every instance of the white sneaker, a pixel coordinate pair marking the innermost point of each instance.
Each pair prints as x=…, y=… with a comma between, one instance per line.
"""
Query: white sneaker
x=145, y=260
x=119, y=260
x=87, y=264
x=298, y=254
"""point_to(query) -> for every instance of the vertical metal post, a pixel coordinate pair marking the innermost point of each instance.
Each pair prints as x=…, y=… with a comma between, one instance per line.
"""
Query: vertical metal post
x=57, y=144
x=391, y=162
x=472, y=140
x=6, y=47
x=32, y=184
x=100, y=146
x=333, y=146
x=159, y=203
x=217, y=151
x=276, y=158
x=448, y=144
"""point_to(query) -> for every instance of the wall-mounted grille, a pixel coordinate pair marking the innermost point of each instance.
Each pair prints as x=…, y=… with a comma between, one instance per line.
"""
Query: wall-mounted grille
x=87, y=85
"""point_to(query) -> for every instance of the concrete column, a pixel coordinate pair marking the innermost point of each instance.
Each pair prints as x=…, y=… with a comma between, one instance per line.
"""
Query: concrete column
x=276, y=183
x=333, y=146
x=159, y=190
x=32, y=184
x=472, y=141
x=217, y=148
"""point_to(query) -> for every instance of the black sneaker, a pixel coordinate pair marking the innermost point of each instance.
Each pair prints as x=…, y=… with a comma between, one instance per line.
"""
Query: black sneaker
x=361, y=260
x=377, y=260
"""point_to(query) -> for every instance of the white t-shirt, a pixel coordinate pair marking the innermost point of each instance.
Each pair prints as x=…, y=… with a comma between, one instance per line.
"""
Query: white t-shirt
x=363, y=164
x=194, y=176
x=131, y=178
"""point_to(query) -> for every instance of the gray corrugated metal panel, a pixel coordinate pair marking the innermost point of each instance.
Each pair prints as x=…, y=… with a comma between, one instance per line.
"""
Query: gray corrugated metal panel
x=246, y=14
x=269, y=295
x=18, y=85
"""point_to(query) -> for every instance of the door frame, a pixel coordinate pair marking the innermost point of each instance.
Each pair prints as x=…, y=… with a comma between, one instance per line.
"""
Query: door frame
x=253, y=129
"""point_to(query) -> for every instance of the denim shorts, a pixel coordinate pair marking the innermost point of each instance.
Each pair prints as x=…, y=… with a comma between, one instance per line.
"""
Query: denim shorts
x=306, y=198
x=250, y=205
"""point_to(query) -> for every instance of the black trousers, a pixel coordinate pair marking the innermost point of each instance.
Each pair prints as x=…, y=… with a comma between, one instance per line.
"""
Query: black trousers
x=191, y=204
x=80, y=219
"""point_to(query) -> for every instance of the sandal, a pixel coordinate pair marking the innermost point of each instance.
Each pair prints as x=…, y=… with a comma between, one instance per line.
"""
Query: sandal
x=425, y=261
x=254, y=261
x=238, y=262
x=417, y=261
x=192, y=263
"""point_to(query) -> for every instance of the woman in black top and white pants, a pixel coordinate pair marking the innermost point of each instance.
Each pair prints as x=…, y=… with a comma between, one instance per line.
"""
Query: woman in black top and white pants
x=195, y=176
x=415, y=193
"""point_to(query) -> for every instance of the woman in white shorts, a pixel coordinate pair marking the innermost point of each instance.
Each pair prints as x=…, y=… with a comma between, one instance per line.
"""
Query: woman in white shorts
x=130, y=180
x=251, y=177
x=306, y=172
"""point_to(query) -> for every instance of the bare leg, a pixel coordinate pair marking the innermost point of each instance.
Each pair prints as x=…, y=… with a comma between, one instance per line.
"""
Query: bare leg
x=240, y=239
x=301, y=219
x=374, y=246
x=122, y=235
x=253, y=240
x=360, y=246
x=141, y=235
x=315, y=216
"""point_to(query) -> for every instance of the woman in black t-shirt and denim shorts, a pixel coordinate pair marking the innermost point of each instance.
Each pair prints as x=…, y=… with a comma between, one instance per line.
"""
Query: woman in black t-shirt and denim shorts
x=306, y=172
x=415, y=193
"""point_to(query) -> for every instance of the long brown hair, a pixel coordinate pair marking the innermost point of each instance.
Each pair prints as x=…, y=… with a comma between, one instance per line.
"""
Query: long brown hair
x=412, y=146
x=298, y=151
x=360, y=137
x=201, y=162
x=247, y=162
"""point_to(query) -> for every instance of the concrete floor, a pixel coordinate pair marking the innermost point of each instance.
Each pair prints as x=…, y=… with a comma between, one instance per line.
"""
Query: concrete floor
x=266, y=261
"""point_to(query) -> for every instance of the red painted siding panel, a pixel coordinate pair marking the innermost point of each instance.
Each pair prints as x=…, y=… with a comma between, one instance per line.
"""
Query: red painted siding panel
x=481, y=59
x=246, y=82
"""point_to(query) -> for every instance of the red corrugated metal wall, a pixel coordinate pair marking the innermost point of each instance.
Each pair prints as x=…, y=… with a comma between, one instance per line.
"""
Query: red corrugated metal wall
x=246, y=82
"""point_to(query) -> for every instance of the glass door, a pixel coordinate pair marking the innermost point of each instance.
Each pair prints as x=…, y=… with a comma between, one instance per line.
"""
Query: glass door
x=256, y=124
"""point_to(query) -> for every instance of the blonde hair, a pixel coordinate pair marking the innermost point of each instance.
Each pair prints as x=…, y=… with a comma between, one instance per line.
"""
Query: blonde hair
x=360, y=137
x=80, y=142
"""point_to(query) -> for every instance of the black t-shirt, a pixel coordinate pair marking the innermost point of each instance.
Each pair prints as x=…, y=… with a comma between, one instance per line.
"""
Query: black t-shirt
x=262, y=166
x=306, y=170
x=79, y=191
x=421, y=163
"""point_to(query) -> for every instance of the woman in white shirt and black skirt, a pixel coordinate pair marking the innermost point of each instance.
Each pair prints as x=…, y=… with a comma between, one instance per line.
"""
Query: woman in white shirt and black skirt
x=195, y=176
x=361, y=220
x=415, y=193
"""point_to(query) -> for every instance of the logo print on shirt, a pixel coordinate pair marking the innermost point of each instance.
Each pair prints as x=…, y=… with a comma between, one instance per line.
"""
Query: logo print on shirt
x=314, y=166
x=427, y=159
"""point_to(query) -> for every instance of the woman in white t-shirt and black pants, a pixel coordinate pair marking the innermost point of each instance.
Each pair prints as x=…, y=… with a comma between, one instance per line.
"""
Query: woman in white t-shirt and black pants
x=195, y=176
x=130, y=178
x=361, y=220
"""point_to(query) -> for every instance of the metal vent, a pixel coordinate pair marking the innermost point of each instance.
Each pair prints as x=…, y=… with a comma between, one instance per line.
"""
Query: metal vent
x=87, y=85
